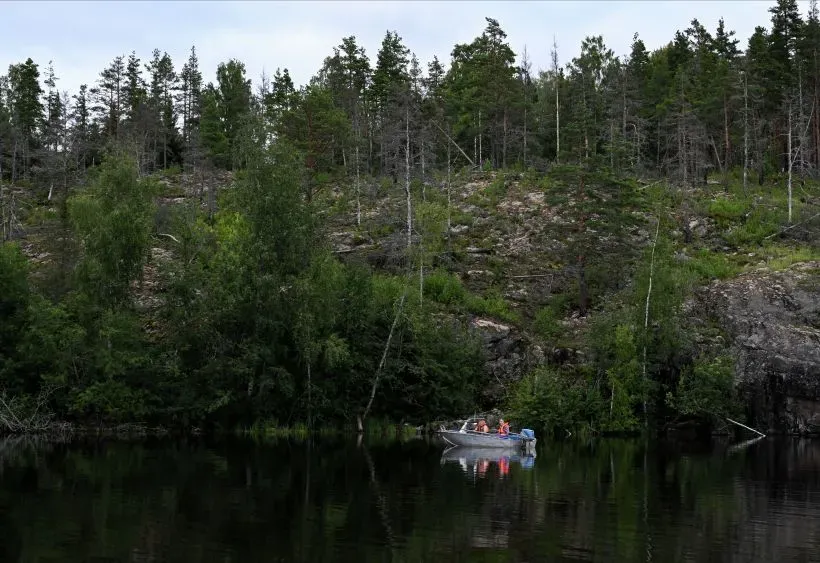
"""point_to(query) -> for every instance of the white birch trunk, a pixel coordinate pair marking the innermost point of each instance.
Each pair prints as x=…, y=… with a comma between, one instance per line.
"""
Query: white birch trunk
x=745, y=133
x=789, y=149
x=407, y=178
x=358, y=185
x=480, y=151
x=557, y=126
x=646, y=310
x=449, y=197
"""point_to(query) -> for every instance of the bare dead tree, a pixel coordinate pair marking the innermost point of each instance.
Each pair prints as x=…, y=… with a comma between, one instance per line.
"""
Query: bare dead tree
x=745, y=132
x=19, y=417
x=554, y=57
x=646, y=310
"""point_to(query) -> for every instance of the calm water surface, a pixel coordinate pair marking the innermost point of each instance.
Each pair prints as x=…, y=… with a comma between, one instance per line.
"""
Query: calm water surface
x=235, y=501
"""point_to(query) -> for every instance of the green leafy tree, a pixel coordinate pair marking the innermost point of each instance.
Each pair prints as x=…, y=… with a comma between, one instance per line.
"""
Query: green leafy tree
x=113, y=220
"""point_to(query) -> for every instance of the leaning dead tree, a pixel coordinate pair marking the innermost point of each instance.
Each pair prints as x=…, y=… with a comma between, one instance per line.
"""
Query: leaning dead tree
x=9, y=222
x=646, y=308
x=403, y=298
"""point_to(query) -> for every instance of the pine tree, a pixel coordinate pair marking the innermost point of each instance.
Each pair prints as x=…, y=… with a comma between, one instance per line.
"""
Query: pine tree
x=134, y=91
x=53, y=130
x=163, y=88
x=81, y=128
x=6, y=128
x=190, y=99
x=108, y=97
x=224, y=108
x=390, y=84
x=26, y=109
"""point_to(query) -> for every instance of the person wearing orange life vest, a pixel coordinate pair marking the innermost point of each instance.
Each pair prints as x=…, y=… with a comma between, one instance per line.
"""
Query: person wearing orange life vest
x=503, y=427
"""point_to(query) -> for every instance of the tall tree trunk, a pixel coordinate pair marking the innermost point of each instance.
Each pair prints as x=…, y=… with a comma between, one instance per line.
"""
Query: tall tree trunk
x=557, y=126
x=14, y=161
x=449, y=199
x=379, y=369
x=726, y=143
x=646, y=310
x=358, y=203
x=611, y=144
x=790, y=160
x=480, y=149
x=525, y=139
x=407, y=178
x=504, y=143
x=583, y=298
x=745, y=134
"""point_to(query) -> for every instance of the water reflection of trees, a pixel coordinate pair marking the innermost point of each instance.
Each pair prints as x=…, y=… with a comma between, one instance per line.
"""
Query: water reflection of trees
x=606, y=500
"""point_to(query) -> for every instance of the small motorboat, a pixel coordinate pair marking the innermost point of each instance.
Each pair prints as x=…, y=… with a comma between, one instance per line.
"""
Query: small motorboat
x=472, y=439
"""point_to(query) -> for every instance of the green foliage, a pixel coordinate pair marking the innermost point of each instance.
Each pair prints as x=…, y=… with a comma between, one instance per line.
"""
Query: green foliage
x=783, y=257
x=497, y=189
x=707, y=265
x=706, y=389
x=113, y=221
x=447, y=289
x=546, y=323
x=726, y=211
x=14, y=300
x=557, y=401
x=624, y=377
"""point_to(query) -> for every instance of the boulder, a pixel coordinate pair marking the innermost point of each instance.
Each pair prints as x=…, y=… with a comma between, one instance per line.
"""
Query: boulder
x=509, y=354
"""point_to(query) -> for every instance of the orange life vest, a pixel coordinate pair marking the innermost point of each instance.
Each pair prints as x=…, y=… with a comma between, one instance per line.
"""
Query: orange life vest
x=504, y=428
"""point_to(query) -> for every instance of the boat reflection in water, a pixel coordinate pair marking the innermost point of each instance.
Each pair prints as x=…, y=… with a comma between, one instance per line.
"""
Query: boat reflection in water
x=483, y=462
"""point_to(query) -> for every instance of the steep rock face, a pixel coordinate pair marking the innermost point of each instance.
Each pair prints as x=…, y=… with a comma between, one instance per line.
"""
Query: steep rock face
x=509, y=353
x=773, y=322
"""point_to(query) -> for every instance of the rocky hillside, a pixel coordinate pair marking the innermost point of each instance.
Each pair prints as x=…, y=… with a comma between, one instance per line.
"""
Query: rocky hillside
x=512, y=261
x=772, y=320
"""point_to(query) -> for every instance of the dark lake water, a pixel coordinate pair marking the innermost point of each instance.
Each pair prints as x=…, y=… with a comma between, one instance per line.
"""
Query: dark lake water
x=237, y=501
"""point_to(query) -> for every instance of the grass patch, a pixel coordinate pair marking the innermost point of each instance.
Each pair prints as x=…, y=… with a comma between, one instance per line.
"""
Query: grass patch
x=781, y=257
x=760, y=223
x=707, y=265
x=447, y=289
x=41, y=214
x=726, y=212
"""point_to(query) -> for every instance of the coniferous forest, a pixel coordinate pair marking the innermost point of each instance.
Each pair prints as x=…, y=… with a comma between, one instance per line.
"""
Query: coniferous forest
x=170, y=248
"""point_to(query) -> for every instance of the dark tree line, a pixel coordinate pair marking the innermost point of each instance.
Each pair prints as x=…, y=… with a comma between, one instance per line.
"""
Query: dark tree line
x=700, y=104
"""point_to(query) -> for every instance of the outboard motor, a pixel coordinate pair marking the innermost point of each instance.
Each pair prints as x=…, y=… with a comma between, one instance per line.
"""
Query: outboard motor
x=528, y=437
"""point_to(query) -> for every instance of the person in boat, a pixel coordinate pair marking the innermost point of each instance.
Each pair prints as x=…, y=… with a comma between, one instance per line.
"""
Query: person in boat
x=503, y=427
x=482, y=426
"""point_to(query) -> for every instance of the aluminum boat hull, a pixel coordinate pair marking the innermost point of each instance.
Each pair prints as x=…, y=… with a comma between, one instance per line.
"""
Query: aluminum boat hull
x=471, y=439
